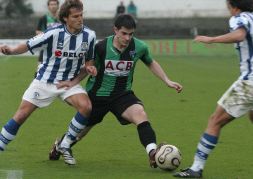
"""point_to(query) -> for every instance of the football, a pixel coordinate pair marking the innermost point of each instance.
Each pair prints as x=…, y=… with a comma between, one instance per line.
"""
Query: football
x=168, y=157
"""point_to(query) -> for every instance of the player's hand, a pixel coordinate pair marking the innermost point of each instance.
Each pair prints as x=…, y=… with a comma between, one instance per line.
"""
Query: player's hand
x=65, y=84
x=91, y=70
x=178, y=87
x=203, y=39
x=5, y=50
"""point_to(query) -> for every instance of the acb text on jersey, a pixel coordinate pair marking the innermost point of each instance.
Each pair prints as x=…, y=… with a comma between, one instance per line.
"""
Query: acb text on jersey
x=118, y=68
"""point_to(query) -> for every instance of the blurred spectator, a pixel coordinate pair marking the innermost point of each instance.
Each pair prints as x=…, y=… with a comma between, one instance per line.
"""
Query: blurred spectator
x=48, y=20
x=132, y=9
x=121, y=9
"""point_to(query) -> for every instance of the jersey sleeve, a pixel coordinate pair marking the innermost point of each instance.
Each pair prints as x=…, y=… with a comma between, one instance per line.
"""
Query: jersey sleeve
x=240, y=21
x=90, y=53
x=146, y=56
x=39, y=42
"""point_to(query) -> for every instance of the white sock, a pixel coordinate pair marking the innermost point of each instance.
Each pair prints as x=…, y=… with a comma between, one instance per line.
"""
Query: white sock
x=198, y=164
x=150, y=147
x=66, y=142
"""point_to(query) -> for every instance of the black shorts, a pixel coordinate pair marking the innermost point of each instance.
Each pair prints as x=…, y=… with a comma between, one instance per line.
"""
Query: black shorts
x=101, y=105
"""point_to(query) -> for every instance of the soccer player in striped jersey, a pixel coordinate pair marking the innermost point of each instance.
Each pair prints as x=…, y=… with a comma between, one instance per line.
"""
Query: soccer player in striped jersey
x=238, y=99
x=110, y=91
x=66, y=48
x=49, y=20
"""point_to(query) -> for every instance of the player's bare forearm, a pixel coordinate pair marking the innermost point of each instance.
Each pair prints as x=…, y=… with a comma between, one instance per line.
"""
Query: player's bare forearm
x=21, y=48
x=75, y=81
x=232, y=37
x=159, y=72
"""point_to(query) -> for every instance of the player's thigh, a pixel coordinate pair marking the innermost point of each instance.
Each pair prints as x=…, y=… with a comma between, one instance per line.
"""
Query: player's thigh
x=78, y=98
x=40, y=94
x=129, y=109
x=135, y=114
x=238, y=99
x=100, y=107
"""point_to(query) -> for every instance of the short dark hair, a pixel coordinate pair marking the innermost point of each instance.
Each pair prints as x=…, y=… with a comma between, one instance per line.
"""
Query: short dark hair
x=243, y=5
x=66, y=6
x=125, y=20
x=51, y=1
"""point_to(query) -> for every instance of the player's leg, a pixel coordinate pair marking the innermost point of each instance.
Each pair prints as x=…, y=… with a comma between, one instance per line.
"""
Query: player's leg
x=136, y=115
x=54, y=154
x=10, y=129
x=207, y=143
x=83, y=106
x=129, y=109
x=232, y=104
x=99, y=110
x=37, y=95
x=78, y=98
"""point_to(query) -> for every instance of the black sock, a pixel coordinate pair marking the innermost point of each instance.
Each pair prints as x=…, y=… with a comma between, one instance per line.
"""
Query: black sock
x=146, y=133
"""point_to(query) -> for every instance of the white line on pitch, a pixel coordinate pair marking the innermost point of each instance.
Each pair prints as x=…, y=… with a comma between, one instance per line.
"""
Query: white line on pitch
x=11, y=174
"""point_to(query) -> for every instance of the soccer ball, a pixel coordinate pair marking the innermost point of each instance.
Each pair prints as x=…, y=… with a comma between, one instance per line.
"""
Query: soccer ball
x=168, y=157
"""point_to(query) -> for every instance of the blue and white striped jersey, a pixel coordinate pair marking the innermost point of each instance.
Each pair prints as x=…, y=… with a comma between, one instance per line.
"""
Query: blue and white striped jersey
x=245, y=48
x=63, y=53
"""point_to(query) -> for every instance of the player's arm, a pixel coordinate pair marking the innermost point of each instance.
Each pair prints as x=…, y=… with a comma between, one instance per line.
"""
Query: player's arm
x=235, y=36
x=75, y=81
x=7, y=50
x=38, y=32
x=88, y=69
x=158, y=71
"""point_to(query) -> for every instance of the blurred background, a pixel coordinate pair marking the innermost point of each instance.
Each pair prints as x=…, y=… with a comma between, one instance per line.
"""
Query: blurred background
x=159, y=19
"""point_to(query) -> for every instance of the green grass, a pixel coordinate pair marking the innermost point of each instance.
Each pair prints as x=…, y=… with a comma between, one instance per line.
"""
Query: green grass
x=114, y=151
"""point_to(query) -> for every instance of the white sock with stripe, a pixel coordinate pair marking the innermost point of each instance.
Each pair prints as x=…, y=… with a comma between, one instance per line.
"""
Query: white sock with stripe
x=206, y=144
x=77, y=124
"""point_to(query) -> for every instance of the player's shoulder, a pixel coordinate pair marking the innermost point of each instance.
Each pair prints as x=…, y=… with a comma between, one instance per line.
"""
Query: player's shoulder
x=101, y=44
x=57, y=28
x=241, y=19
x=243, y=16
x=89, y=31
x=140, y=43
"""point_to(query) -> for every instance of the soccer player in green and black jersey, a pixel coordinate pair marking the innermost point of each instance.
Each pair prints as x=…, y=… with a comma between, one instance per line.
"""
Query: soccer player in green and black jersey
x=110, y=91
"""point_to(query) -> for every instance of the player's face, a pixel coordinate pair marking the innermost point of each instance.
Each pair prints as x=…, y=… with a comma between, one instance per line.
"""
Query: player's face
x=233, y=10
x=74, y=21
x=53, y=6
x=123, y=36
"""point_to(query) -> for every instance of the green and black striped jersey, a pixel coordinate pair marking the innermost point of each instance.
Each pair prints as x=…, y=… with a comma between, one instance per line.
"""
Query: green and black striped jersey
x=115, y=68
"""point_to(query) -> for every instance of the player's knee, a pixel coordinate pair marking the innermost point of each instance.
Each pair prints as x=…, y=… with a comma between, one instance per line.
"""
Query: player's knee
x=140, y=113
x=85, y=107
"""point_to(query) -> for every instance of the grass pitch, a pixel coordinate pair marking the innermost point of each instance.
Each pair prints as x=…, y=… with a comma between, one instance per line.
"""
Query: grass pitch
x=114, y=151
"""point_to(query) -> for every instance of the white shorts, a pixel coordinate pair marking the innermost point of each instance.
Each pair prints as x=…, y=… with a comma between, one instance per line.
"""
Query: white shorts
x=238, y=99
x=42, y=94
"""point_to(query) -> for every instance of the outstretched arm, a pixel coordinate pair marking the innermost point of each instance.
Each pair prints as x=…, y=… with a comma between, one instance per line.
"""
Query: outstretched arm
x=232, y=37
x=21, y=48
x=158, y=71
